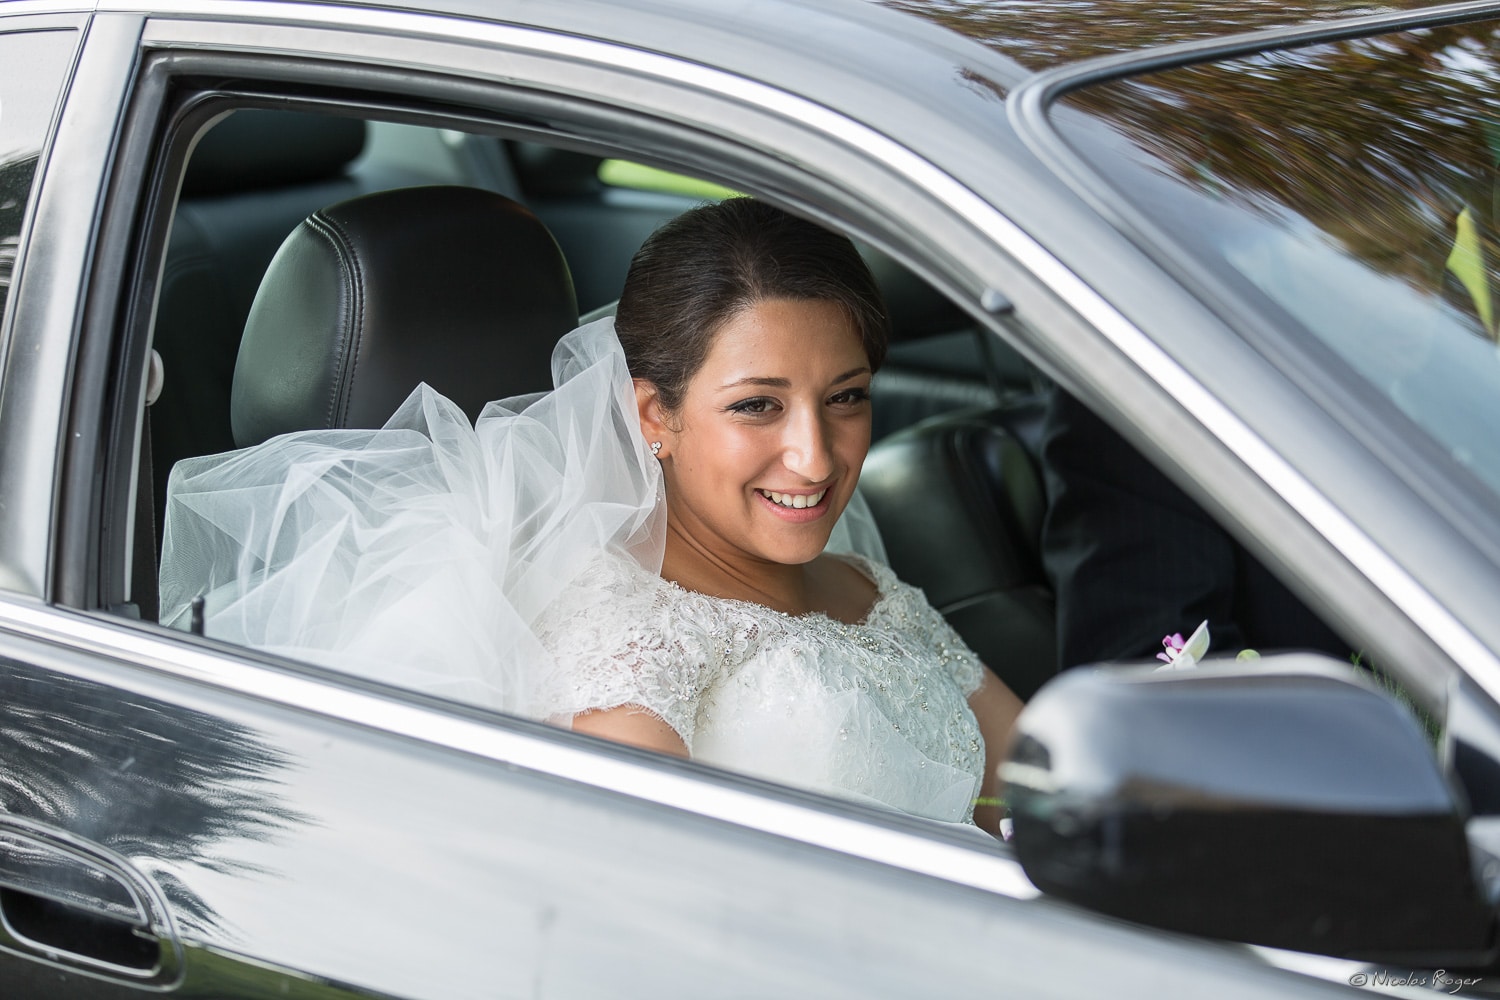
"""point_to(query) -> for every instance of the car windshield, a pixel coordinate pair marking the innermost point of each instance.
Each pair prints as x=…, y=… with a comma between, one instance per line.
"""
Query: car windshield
x=1351, y=192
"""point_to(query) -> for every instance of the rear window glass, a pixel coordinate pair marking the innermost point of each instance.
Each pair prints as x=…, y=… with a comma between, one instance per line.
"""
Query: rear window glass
x=1351, y=189
x=625, y=174
x=35, y=63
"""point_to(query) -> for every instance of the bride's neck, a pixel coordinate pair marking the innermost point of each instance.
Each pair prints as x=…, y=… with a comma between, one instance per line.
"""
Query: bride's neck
x=778, y=586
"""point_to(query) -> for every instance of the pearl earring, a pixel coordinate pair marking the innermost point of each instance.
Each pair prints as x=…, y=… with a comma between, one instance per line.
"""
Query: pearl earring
x=656, y=449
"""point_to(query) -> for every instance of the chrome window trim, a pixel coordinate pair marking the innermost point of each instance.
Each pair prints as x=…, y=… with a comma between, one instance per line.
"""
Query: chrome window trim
x=980, y=869
x=16, y=8
x=1429, y=615
x=45, y=313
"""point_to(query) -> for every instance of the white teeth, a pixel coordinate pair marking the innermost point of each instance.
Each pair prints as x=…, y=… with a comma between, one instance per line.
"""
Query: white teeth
x=796, y=501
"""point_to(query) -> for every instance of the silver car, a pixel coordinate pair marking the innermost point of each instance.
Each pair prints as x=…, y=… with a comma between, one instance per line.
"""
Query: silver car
x=1259, y=243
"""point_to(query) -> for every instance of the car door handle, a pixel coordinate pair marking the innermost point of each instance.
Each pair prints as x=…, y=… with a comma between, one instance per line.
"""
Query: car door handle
x=74, y=904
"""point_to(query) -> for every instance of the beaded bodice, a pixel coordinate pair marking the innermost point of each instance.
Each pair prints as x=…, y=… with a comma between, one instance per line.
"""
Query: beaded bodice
x=875, y=711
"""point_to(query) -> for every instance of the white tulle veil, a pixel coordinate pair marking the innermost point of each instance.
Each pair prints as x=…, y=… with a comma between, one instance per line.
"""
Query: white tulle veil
x=423, y=553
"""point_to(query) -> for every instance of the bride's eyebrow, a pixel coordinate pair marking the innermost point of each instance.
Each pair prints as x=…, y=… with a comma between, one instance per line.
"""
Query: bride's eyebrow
x=851, y=373
x=786, y=383
x=772, y=381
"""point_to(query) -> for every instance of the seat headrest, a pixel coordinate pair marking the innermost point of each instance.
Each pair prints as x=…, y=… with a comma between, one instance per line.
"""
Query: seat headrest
x=460, y=288
x=254, y=149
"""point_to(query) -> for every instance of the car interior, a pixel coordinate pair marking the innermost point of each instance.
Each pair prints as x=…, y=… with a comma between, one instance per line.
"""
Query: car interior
x=250, y=343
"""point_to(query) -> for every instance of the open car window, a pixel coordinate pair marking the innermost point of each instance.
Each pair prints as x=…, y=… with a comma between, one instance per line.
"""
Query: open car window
x=255, y=174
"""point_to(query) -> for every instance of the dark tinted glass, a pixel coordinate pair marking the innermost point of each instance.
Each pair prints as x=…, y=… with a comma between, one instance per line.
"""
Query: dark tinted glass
x=33, y=65
x=1353, y=191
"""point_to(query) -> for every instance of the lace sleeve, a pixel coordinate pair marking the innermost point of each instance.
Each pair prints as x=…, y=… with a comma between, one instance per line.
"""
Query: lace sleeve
x=962, y=662
x=617, y=640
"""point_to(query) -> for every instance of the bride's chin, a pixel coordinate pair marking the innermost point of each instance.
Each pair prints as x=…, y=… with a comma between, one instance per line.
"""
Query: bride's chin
x=797, y=551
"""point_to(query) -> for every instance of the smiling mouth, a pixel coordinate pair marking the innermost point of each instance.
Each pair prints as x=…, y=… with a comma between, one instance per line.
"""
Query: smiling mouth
x=796, y=501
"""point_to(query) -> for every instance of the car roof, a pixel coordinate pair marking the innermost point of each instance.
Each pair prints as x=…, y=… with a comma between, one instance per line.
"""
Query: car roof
x=889, y=62
x=1011, y=39
x=856, y=54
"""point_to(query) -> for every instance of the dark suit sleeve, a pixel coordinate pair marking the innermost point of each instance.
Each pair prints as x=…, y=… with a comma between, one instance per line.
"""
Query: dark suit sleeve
x=1130, y=557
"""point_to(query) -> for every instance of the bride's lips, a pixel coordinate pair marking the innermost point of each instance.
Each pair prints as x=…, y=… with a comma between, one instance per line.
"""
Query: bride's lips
x=815, y=503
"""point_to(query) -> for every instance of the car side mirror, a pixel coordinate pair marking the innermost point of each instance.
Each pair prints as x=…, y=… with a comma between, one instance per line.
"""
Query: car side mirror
x=1288, y=803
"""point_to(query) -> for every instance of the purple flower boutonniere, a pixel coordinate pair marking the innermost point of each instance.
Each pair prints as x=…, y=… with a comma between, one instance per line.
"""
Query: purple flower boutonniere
x=1179, y=653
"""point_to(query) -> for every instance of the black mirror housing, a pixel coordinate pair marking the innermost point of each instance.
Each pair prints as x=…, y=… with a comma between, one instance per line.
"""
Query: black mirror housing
x=1288, y=803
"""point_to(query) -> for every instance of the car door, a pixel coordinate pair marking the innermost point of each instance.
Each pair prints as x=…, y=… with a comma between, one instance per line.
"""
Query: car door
x=183, y=815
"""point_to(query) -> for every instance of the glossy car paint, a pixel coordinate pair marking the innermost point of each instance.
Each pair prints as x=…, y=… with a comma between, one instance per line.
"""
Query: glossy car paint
x=360, y=858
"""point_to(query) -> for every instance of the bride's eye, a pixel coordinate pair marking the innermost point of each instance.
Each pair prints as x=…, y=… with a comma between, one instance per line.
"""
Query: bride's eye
x=850, y=397
x=752, y=407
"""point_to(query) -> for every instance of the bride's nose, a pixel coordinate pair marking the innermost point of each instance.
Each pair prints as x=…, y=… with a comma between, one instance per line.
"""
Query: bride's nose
x=807, y=447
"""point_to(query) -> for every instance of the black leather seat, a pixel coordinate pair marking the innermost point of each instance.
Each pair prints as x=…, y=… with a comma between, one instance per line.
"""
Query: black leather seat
x=960, y=501
x=252, y=178
x=457, y=287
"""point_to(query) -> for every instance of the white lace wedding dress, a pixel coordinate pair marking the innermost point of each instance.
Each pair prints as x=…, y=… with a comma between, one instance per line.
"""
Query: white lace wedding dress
x=875, y=711
x=514, y=564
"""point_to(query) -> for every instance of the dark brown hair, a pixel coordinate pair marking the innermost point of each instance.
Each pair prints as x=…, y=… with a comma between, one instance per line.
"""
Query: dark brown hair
x=698, y=271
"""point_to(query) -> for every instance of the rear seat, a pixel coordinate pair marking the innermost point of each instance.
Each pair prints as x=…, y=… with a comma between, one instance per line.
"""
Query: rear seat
x=252, y=179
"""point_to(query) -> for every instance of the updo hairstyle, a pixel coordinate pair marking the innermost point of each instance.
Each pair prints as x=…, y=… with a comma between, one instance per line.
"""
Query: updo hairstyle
x=698, y=271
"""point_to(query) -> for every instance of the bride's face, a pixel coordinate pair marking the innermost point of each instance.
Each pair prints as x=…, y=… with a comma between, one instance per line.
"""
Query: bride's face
x=764, y=452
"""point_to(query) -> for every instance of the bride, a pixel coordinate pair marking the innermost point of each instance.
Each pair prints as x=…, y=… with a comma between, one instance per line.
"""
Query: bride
x=667, y=550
